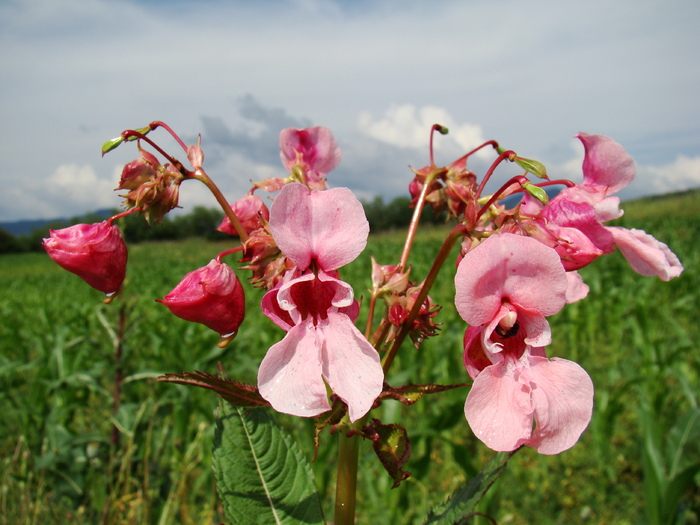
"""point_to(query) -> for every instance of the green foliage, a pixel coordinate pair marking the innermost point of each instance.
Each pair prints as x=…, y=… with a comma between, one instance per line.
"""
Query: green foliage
x=636, y=336
x=262, y=477
x=462, y=503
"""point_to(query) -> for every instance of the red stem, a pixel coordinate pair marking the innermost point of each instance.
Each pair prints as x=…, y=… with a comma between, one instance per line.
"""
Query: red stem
x=157, y=123
x=457, y=232
x=499, y=159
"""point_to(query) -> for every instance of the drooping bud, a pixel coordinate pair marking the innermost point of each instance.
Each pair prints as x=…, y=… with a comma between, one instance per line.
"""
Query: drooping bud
x=211, y=295
x=195, y=154
x=94, y=252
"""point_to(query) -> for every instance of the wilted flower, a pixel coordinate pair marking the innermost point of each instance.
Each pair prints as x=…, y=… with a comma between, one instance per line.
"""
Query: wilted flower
x=94, y=252
x=211, y=295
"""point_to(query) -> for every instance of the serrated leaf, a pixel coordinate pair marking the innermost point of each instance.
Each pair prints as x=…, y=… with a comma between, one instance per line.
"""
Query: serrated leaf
x=410, y=394
x=462, y=503
x=392, y=446
x=235, y=393
x=262, y=477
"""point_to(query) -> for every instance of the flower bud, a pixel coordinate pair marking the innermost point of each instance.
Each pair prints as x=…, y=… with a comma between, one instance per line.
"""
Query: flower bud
x=211, y=295
x=249, y=210
x=94, y=252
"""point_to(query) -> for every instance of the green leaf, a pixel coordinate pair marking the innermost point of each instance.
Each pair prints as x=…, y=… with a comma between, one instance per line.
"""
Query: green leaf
x=262, y=477
x=238, y=394
x=461, y=504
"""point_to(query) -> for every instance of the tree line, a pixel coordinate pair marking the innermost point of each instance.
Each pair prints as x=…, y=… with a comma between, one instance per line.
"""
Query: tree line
x=202, y=222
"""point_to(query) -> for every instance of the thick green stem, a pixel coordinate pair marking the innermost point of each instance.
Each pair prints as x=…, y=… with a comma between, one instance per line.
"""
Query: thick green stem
x=346, y=488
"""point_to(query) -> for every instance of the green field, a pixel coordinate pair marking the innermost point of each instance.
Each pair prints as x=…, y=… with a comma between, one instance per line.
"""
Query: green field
x=64, y=462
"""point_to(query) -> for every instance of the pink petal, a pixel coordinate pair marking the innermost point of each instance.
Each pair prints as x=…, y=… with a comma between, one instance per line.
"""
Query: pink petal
x=289, y=376
x=328, y=226
x=498, y=409
x=577, y=289
x=351, y=364
x=520, y=269
x=562, y=393
x=317, y=146
x=606, y=165
x=646, y=255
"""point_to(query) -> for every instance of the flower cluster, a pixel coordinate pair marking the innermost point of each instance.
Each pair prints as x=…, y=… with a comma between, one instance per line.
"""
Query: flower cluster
x=516, y=267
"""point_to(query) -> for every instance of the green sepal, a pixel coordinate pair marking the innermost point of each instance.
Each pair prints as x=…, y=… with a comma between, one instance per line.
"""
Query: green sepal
x=115, y=142
x=536, y=192
x=111, y=144
x=235, y=393
x=532, y=166
x=261, y=475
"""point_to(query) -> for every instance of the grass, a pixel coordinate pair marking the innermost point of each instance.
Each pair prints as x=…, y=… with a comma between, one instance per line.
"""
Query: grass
x=636, y=336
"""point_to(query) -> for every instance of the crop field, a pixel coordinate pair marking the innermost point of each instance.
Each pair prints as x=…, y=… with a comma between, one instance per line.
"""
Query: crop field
x=75, y=449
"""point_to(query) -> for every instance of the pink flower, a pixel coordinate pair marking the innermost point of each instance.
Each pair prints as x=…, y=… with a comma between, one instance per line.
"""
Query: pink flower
x=519, y=386
x=313, y=149
x=319, y=231
x=511, y=279
x=250, y=210
x=505, y=287
x=577, y=215
x=94, y=252
x=211, y=295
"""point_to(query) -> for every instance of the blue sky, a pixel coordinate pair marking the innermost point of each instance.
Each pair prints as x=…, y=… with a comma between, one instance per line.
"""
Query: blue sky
x=531, y=75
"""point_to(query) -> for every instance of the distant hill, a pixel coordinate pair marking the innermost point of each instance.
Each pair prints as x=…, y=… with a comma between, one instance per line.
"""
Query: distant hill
x=21, y=228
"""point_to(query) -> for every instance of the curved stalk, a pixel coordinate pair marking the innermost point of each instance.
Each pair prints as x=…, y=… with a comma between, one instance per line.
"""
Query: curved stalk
x=417, y=212
x=202, y=177
x=440, y=259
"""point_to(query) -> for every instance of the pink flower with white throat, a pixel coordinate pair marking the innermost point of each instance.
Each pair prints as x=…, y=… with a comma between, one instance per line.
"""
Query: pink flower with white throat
x=510, y=279
x=319, y=231
x=505, y=287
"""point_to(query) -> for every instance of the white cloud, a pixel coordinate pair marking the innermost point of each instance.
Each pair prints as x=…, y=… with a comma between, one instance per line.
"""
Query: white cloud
x=78, y=188
x=408, y=126
x=682, y=174
x=502, y=70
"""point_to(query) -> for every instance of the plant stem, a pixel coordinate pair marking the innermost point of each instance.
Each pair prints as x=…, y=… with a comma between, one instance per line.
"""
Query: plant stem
x=346, y=487
x=417, y=212
x=440, y=259
x=202, y=177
